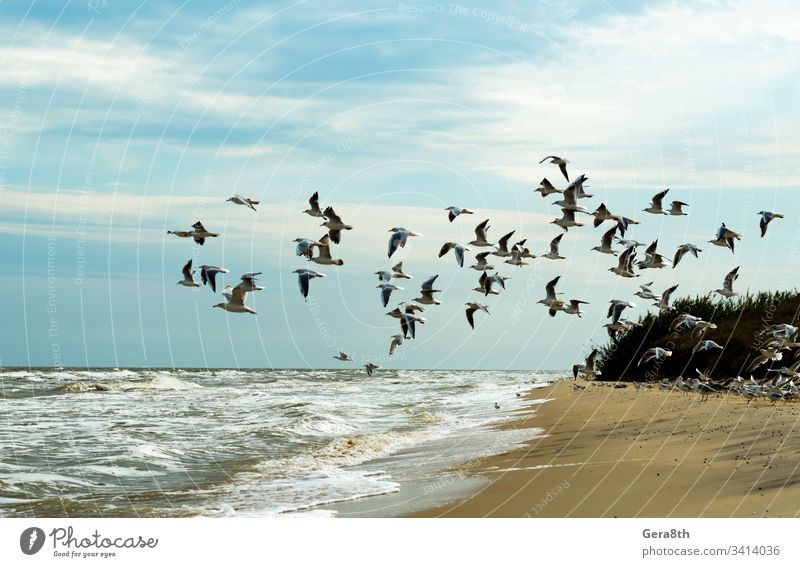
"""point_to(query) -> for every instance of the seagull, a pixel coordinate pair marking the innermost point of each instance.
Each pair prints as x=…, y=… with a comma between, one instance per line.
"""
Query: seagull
x=726, y=237
x=314, y=209
x=407, y=318
x=502, y=245
x=305, y=247
x=208, y=274
x=574, y=307
x=682, y=250
x=386, y=291
x=627, y=242
x=399, y=274
x=605, y=242
x=603, y=214
x=480, y=262
x=703, y=389
x=686, y=320
x=343, y=356
x=324, y=253
x=384, y=275
x=560, y=162
x=616, y=307
x=624, y=267
x=553, y=254
x=335, y=225
x=675, y=209
x=397, y=340
x=236, y=296
x=727, y=284
x=199, y=234
x=524, y=252
x=496, y=406
x=516, y=258
x=655, y=205
x=459, y=251
x=550, y=289
x=657, y=353
x=646, y=293
x=577, y=184
x=587, y=368
x=704, y=346
x=455, y=211
x=766, y=218
x=569, y=201
x=371, y=368
x=546, y=188
x=303, y=277
x=427, y=291
x=623, y=224
x=567, y=220
x=188, y=279
x=480, y=235
x=239, y=200
x=663, y=303
x=486, y=282
x=653, y=259
x=472, y=308
x=399, y=238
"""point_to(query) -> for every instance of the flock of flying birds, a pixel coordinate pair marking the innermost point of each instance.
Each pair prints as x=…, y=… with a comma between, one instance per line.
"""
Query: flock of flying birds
x=516, y=254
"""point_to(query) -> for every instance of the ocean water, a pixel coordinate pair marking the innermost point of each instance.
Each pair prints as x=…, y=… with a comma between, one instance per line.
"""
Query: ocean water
x=165, y=443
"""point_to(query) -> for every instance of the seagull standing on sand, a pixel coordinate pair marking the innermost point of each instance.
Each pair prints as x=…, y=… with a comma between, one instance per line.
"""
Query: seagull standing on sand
x=682, y=250
x=208, y=274
x=766, y=218
x=427, y=291
x=399, y=238
x=546, y=188
x=303, y=277
x=655, y=207
x=314, y=209
x=459, y=251
x=344, y=357
x=727, y=284
x=188, y=278
x=455, y=211
x=472, y=308
x=239, y=200
x=560, y=162
x=334, y=225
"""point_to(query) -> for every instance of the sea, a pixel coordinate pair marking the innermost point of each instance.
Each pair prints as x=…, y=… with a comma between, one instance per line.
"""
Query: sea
x=200, y=442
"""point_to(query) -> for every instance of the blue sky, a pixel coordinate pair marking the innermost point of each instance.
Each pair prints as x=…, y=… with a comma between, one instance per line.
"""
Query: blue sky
x=120, y=121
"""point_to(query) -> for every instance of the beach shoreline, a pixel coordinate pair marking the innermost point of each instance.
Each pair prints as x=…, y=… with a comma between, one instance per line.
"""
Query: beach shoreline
x=624, y=452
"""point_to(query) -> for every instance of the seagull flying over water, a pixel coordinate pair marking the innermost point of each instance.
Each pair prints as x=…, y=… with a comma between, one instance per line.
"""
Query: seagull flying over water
x=397, y=340
x=551, y=297
x=472, y=308
x=236, y=296
x=371, y=368
x=344, y=357
x=560, y=162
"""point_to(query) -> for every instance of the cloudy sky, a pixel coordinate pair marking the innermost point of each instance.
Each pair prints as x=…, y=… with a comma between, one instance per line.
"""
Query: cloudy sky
x=120, y=121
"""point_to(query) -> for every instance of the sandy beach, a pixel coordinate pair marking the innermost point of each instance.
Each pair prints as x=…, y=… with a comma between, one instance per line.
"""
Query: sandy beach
x=642, y=453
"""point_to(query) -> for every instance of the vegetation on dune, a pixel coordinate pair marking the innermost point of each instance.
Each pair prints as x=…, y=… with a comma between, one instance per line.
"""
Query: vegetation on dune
x=739, y=323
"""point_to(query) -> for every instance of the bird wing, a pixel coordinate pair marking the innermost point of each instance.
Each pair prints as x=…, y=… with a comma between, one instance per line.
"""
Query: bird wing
x=428, y=284
x=763, y=225
x=199, y=240
x=386, y=293
x=302, y=279
x=187, y=270
x=503, y=243
x=608, y=237
x=446, y=247
x=551, y=287
x=238, y=295
x=331, y=215
x=563, y=167
x=335, y=235
x=659, y=197
x=199, y=226
x=554, y=244
x=730, y=278
x=398, y=239
x=480, y=230
x=470, y=313
x=314, y=201
x=228, y=293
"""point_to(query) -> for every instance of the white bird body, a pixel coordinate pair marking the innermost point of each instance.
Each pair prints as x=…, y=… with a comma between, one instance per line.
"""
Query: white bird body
x=188, y=278
x=399, y=238
x=655, y=207
x=727, y=285
x=480, y=235
x=239, y=200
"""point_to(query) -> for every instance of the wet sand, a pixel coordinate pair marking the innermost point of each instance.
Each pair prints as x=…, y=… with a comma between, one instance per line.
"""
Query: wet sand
x=643, y=453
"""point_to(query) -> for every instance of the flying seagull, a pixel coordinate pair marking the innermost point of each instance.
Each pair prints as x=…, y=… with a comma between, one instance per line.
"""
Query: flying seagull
x=239, y=200
x=398, y=273
x=726, y=237
x=553, y=254
x=335, y=225
x=567, y=220
x=399, y=238
x=663, y=303
x=480, y=262
x=188, y=278
x=386, y=291
x=459, y=251
x=471, y=309
x=427, y=291
x=704, y=346
x=323, y=256
x=603, y=214
x=766, y=218
x=657, y=353
x=236, y=296
x=397, y=340
x=455, y=211
x=560, y=162
x=646, y=293
x=480, y=235
x=303, y=277
x=407, y=318
x=208, y=274
x=546, y=188
x=305, y=247
x=371, y=368
x=199, y=234
x=727, y=284
x=314, y=209
x=502, y=245
x=655, y=206
x=682, y=250
x=605, y=242
x=675, y=209
x=344, y=357
x=551, y=299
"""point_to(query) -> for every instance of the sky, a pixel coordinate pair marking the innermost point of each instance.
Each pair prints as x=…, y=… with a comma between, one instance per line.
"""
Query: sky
x=122, y=120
